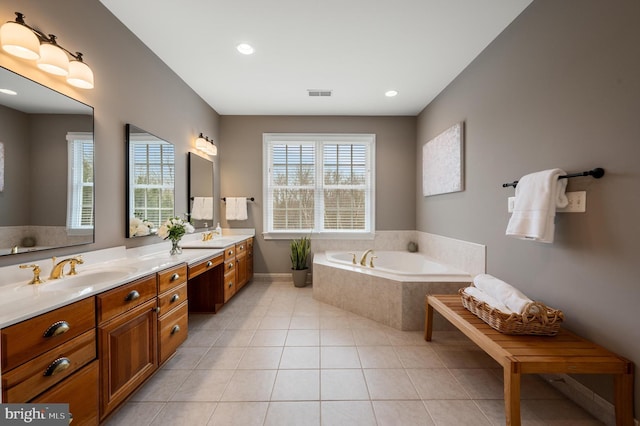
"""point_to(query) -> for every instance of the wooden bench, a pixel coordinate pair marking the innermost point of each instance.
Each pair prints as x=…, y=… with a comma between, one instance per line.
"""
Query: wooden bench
x=563, y=353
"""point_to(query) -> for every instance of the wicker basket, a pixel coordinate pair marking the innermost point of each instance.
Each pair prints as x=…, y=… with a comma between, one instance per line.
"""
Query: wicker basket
x=536, y=319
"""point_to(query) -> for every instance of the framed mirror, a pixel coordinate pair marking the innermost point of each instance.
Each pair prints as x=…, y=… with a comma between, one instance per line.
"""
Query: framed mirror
x=150, y=182
x=46, y=167
x=200, y=190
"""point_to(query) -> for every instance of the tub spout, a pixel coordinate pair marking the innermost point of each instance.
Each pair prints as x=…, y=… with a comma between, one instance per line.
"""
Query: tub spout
x=363, y=259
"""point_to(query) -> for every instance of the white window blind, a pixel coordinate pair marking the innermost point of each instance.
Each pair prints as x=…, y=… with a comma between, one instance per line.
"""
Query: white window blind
x=319, y=184
x=80, y=213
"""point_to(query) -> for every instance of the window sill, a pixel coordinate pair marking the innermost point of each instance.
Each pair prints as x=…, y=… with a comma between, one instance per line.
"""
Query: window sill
x=319, y=235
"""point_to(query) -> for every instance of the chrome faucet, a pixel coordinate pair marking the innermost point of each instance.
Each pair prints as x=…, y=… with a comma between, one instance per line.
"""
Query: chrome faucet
x=363, y=259
x=58, y=268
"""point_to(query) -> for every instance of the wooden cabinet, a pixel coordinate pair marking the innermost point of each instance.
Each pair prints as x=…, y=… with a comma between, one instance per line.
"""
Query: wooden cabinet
x=173, y=310
x=229, y=273
x=43, y=356
x=127, y=340
x=206, y=286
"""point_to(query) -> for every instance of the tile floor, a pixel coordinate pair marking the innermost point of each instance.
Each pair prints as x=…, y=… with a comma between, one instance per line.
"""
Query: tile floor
x=276, y=356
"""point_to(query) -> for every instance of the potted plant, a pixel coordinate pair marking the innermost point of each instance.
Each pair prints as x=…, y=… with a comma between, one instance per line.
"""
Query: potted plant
x=300, y=249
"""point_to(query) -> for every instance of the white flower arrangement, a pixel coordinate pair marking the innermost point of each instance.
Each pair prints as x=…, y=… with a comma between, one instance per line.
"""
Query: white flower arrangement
x=174, y=229
x=139, y=227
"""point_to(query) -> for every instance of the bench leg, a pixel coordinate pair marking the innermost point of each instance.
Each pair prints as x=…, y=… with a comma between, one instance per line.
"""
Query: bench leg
x=428, y=321
x=512, y=394
x=624, y=398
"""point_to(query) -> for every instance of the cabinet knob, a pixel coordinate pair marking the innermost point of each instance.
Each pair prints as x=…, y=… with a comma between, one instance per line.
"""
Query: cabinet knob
x=230, y=284
x=230, y=252
x=175, y=298
x=209, y=263
x=175, y=277
x=241, y=247
x=133, y=295
x=175, y=329
x=56, y=329
x=57, y=366
x=230, y=265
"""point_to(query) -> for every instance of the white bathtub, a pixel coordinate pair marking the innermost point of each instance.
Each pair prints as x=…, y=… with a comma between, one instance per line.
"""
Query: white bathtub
x=392, y=292
x=397, y=262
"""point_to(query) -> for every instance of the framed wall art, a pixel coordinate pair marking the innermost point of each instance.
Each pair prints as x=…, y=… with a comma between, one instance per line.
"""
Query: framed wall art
x=443, y=162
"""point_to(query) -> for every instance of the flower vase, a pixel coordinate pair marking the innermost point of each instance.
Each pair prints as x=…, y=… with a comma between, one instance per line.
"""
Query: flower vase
x=175, y=247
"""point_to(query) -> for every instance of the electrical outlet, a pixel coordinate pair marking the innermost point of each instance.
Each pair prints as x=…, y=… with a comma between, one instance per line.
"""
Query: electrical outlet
x=577, y=203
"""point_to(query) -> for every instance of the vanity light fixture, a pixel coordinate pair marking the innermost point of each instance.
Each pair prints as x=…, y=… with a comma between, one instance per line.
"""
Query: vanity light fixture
x=205, y=145
x=21, y=40
x=245, y=49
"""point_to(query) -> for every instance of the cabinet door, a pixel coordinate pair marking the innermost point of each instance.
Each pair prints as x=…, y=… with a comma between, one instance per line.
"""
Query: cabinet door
x=80, y=391
x=128, y=354
x=172, y=331
x=241, y=270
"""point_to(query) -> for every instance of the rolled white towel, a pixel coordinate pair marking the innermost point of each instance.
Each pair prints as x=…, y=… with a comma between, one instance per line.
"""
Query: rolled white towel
x=504, y=293
x=484, y=297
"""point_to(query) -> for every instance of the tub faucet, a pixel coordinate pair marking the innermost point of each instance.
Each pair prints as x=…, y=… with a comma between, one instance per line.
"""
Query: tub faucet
x=363, y=259
x=58, y=268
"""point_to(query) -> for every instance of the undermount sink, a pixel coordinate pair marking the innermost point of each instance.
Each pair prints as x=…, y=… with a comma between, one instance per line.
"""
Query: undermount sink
x=87, y=279
x=214, y=243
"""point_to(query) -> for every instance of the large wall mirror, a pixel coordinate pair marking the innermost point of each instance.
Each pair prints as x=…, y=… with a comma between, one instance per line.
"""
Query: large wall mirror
x=200, y=191
x=150, y=182
x=46, y=167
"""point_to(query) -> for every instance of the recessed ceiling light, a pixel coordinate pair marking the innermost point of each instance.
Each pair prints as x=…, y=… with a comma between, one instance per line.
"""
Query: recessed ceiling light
x=8, y=92
x=245, y=49
x=391, y=93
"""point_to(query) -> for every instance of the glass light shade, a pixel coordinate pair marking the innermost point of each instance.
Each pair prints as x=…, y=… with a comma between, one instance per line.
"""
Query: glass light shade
x=19, y=41
x=53, y=59
x=201, y=144
x=80, y=75
x=213, y=150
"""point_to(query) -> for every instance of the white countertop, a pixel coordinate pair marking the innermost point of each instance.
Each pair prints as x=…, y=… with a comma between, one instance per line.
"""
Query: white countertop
x=102, y=270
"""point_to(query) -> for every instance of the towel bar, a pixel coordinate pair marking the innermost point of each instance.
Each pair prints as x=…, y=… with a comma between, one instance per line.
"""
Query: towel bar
x=597, y=173
x=248, y=199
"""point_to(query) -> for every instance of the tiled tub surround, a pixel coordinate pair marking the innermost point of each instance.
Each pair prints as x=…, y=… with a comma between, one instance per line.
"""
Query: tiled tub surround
x=393, y=300
x=43, y=237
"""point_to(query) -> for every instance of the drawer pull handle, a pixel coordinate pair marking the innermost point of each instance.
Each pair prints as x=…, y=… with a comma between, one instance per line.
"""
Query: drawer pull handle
x=209, y=263
x=230, y=284
x=174, y=277
x=230, y=252
x=175, y=329
x=57, y=366
x=230, y=265
x=56, y=329
x=175, y=298
x=132, y=296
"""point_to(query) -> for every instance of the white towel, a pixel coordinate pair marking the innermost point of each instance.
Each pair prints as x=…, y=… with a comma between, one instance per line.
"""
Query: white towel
x=537, y=196
x=484, y=297
x=504, y=293
x=236, y=208
x=202, y=208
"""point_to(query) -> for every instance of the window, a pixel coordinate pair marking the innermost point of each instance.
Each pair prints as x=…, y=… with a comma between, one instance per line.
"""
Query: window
x=319, y=183
x=80, y=184
x=152, y=179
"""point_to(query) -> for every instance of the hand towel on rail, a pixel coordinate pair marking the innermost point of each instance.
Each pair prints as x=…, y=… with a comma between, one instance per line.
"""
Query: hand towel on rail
x=202, y=208
x=236, y=208
x=504, y=293
x=537, y=196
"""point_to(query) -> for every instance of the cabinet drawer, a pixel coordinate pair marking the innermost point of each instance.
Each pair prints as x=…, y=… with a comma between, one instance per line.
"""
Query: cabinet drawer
x=172, y=277
x=229, y=286
x=80, y=391
x=229, y=253
x=173, y=330
x=33, y=377
x=125, y=297
x=28, y=339
x=241, y=248
x=230, y=266
x=205, y=265
x=171, y=299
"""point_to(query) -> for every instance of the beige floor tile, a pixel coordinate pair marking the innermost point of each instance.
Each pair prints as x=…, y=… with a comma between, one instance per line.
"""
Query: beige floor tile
x=303, y=413
x=389, y=383
x=136, y=414
x=405, y=413
x=465, y=357
x=250, y=385
x=296, y=385
x=275, y=323
x=418, y=357
x=185, y=358
x=479, y=383
x=269, y=338
x=208, y=322
x=303, y=338
x=370, y=337
x=202, y=338
x=345, y=384
x=334, y=322
x=235, y=338
x=203, y=385
x=455, y=413
x=240, y=322
x=239, y=414
x=436, y=383
x=184, y=413
x=256, y=358
x=304, y=323
x=493, y=409
x=339, y=357
x=221, y=358
x=347, y=413
x=378, y=357
x=300, y=357
x=161, y=386
x=560, y=412
x=406, y=338
x=337, y=338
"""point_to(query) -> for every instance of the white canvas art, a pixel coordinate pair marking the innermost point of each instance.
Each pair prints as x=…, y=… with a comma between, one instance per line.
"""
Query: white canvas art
x=442, y=162
x=1, y=167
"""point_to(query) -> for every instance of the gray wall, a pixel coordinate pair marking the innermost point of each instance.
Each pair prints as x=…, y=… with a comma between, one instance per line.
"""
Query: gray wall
x=132, y=86
x=241, y=168
x=559, y=88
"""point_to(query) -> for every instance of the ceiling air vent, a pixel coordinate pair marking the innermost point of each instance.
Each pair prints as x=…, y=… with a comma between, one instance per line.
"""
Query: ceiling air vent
x=319, y=92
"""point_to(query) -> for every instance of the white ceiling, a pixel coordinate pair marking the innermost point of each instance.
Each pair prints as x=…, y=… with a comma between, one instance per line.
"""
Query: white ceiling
x=357, y=48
